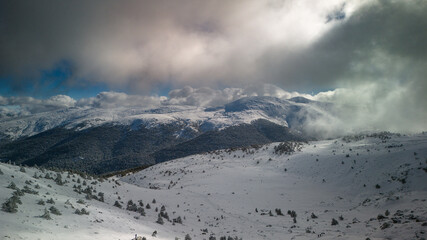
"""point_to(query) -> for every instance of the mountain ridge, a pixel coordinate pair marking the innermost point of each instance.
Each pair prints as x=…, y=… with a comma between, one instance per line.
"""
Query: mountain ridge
x=107, y=140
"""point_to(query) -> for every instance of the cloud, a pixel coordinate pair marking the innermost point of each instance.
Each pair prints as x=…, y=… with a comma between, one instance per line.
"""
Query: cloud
x=15, y=106
x=120, y=100
x=138, y=44
x=370, y=107
x=208, y=97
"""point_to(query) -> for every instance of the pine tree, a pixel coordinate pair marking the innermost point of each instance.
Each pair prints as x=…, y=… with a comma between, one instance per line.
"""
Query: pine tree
x=334, y=222
x=10, y=205
x=141, y=211
x=117, y=204
x=12, y=185
x=58, y=179
x=160, y=219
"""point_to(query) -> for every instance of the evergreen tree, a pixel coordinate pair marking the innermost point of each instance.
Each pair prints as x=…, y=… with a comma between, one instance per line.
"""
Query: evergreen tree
x=334, y=222
x=58, y=179
x=141, y=211
x=10, y=205
x=117, y=204
x=12, y=185
x=160, y=220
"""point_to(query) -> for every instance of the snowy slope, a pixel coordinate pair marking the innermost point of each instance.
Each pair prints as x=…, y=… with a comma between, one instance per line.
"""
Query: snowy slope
x=242, y=111
x=231, y=193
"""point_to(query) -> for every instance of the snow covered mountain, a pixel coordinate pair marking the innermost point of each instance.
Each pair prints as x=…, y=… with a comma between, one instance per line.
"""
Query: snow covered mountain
x=100, y=140
x=358, y=187
x=193, y=118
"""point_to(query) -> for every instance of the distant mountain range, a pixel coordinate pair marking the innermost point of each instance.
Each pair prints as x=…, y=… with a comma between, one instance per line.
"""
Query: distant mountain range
x=100, y=140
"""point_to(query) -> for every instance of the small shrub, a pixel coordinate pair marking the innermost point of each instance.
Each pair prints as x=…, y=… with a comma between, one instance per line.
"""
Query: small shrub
x=29, y=190
x=58, y=179
x=334, y=222
x=18, y=193
x=141, y=211
x=54, y=210
x=385, y=225
x=10, y=206
x=81, y=212
x=117, y=204
x=160, y=220
x=46, y=215
x=50, y=201
x=101, y=196
x=12, y=185
x=177, y=220
x=292, y=213
x=40, y=202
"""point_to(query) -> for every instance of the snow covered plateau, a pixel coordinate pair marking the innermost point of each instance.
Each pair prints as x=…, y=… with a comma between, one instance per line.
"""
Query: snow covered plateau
x=359, y=187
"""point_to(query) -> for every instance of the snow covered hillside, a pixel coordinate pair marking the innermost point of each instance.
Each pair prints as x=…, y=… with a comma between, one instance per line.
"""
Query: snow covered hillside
x=244, y=110
x=359, y=187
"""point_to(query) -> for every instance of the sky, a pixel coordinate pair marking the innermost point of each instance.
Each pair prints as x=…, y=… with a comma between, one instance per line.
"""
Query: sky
x=368, y=57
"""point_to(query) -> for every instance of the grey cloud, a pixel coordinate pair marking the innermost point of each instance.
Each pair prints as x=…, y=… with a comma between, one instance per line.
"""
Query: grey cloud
x=137, y=44
x=377, y=57
x=117, y=100
x=204, y=97
x=364, y=47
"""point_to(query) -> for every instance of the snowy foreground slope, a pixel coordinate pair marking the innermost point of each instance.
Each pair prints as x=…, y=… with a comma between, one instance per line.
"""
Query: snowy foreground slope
x=374, y=187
